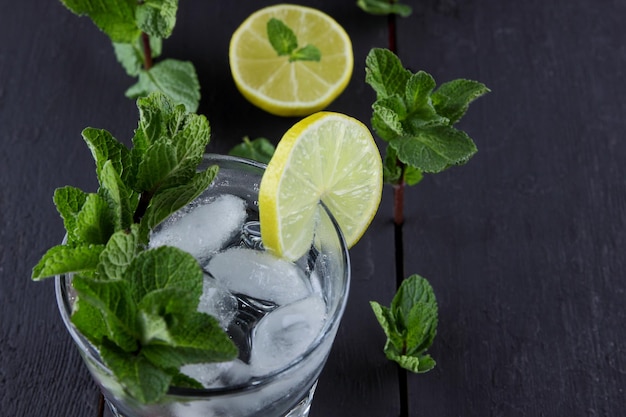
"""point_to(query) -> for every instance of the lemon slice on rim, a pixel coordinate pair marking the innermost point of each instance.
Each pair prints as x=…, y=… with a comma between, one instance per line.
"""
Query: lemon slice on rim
x=329, y=157
x=285, y=88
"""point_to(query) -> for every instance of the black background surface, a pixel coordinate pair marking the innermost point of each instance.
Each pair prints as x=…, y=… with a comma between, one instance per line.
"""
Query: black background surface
x=524, y=245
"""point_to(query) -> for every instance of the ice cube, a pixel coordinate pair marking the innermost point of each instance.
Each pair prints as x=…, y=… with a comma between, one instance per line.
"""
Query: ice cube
x=285, y=333
x=260, y=275
x=217, y=301
x=218, y=374
x=205, y=229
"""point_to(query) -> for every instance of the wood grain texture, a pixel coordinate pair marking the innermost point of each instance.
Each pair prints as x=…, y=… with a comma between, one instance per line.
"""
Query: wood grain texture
x=58, y=75
x=524, y=245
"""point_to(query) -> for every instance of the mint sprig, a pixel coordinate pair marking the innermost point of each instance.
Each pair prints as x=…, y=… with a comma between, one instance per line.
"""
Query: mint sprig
x=410, y=324
x=417, y=119
x=285, y=43
x=138, y=306
x=385, y=7
x=259, y=149
x=137, y=29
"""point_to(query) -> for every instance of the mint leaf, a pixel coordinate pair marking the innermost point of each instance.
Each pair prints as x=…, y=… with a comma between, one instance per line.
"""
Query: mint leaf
x=416, y=364
x=157, y=17
x=176, y=79
x=410, y=324
x=167, y=201
x=281, y=37
x=116, y=18
x=113, y=299
x=260, y=149
x=118, y=253
x=196, y=339
x=452, y=99
x=131, y=55
x=388, y=115
x=306, y=53
x=156, y=113
x=384, y=7
x=63, y=259
x=433, y=149
x=117, y=196
x=387, y=322
x=104, y=147
x=94, y=222
x=69, y=201
x=89, y=321
x=143, y=380
x=385, y=74
x=285, y=42
x=412, y=176
x=164, y=267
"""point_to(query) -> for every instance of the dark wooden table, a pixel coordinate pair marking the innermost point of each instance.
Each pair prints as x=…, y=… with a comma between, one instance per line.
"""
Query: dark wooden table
x=525, y=245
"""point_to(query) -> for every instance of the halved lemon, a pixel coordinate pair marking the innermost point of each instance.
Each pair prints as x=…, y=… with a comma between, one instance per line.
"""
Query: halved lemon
x=286, y=88
x=329, y=157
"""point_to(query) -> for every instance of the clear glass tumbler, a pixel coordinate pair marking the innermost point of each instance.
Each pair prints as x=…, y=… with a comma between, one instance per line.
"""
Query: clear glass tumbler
x=283, y=390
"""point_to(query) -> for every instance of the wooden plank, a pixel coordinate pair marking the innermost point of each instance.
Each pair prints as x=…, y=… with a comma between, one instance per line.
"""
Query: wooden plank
x=523, y=245
x=59, y=75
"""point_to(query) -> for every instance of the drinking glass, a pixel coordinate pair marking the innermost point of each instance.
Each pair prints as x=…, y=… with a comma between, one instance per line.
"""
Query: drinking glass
x=283, y=391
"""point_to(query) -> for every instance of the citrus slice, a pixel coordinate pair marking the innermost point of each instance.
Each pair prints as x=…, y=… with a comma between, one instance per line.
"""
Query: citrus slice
x=286, y=88
x=328, y=157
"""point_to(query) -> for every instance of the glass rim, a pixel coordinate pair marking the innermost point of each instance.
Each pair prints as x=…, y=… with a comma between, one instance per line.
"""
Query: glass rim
x=65, y=308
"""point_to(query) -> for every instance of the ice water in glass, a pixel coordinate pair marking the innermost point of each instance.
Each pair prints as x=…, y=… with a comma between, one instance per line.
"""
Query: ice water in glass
x=282, y=315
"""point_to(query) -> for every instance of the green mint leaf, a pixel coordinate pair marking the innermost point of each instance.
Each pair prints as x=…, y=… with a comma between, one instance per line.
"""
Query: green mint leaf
x=117, y=196
x=118, y=253
x=433, y=149
x=89, y=321
x=116, y=18
x=412, y=175
x=183, y=381
x=306, y=53
x=413, y=290
x=387, y=322
x=414, y=308
x=196, y=339
x=176, y=79
x=421, y=323
x=167, y=201
x=453, y=98
x=160, y=164
x=421, y=111
x=94, y=222
x=69, y=201
x=410, y=324
x=113, y=299
x=104, y=147
x=260, y=149
x=157, y=17
x=416, y=364
x=385, y=74
x=63, y=259
x=141, y=379
x=159, y=119
x=174, y=159
x=131, y=55
x=388, y=115
x=162, y=268
x=281, y=37
x=384, y=7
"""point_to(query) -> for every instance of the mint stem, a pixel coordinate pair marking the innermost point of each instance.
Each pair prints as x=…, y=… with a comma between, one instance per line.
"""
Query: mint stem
x=147, y=51
x=142, y=206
